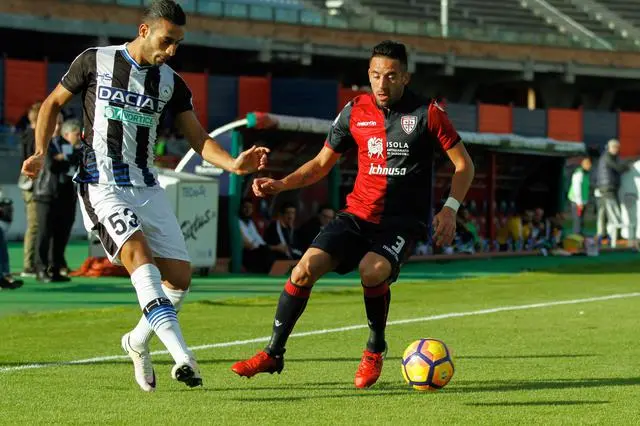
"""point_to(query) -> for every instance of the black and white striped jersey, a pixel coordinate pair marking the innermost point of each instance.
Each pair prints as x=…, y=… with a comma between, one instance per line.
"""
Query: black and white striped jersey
x=124, y=106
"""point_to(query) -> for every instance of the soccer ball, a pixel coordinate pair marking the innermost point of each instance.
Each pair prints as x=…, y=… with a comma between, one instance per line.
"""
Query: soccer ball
x=427, y=364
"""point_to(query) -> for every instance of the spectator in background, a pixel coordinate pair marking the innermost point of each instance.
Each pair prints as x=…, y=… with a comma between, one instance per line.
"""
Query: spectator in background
x=629, y=196
x=55, y=197
x=527, y=227
x=307, y=232
x=468, y=239
x=71, y=132
x=280, y=234
x=579, y=194
x=28, y=140
x=7, y=282
x=509, y=235
x=556, y=232
x=540, y=230
x=257, y=256
x=601, y=216
x=610, y=168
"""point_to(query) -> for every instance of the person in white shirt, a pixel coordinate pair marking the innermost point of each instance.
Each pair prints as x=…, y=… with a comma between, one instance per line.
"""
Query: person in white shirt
x=257, y=256
x=579, y=193
x=629, y=196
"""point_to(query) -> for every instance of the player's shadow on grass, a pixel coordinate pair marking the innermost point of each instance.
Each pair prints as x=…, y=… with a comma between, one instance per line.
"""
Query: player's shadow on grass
x=341, y=390
x=534, y=403
x=356, y=394
x=520, y=385
x=295, y=360
x=541, y=356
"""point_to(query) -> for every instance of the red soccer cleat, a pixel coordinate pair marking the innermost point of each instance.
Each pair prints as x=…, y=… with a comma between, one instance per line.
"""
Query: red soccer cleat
x=369, y=369
x=262, y=362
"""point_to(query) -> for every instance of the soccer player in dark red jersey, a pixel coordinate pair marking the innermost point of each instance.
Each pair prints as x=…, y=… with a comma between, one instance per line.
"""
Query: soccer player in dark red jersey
x=395, y=133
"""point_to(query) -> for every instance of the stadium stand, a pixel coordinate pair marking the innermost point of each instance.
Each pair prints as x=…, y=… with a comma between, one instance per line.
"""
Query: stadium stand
x=582, y=18
x=627, y=9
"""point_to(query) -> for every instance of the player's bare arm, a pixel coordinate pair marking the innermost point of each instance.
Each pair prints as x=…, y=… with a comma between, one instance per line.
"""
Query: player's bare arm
x=308, y=174
x=45, y=126
x=249, y=161
x=445, y=221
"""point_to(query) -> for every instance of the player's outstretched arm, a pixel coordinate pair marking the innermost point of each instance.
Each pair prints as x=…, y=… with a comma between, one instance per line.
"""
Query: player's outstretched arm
x=465, y=171
x=45, y=125
x=308, y=174
x=445, y=221
x=249, y=161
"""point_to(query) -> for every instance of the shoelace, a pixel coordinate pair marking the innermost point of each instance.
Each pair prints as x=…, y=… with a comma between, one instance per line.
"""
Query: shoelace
x=255, y=361
x=370, y=362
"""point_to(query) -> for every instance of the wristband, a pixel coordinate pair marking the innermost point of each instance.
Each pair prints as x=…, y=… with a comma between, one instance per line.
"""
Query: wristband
x=453, y=204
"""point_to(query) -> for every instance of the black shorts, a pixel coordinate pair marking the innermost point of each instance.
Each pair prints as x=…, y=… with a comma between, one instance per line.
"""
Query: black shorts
x=349, y=238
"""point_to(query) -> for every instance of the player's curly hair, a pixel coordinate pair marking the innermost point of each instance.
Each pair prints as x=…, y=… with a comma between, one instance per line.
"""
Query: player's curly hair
x=165, y=9
x=391, y=49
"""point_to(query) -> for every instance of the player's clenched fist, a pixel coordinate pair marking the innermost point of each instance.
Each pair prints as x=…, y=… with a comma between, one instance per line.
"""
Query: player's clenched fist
x=251, y=160
x=263, y=187
x=32, y=166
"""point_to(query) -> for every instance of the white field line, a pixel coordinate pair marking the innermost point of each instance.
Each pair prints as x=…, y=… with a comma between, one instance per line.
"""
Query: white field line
x=336, y=330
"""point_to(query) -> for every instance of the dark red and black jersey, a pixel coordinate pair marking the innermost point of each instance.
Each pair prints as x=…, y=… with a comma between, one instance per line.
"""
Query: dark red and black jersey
x=395, y=154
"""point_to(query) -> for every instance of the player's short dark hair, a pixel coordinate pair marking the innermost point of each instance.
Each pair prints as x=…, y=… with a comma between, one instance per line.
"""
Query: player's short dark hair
x=286, y=205
x=391, y=49
x=165, y=9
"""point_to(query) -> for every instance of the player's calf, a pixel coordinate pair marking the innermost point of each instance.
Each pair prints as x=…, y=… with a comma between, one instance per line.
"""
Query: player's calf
x=292, y=303
x=375, y=271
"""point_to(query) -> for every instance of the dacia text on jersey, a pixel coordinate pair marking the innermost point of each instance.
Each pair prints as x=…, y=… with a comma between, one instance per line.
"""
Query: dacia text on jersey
x=131, y=99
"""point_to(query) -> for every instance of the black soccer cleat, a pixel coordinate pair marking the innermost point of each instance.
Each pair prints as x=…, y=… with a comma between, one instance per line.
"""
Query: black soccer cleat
x=187, y=373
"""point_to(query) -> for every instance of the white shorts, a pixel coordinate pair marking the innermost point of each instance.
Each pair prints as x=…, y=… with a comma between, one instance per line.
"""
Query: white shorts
x=114, y=213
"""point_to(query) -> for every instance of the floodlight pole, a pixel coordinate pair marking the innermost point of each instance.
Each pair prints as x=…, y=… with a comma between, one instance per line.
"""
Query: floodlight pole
x=235, y=190
x=444, y=18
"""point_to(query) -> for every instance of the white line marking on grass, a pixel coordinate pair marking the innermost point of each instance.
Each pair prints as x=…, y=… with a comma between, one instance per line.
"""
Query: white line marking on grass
x=336, y=330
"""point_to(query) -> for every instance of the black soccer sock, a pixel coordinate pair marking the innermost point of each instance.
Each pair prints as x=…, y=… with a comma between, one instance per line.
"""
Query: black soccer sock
x=293, y=300
x=376, y=303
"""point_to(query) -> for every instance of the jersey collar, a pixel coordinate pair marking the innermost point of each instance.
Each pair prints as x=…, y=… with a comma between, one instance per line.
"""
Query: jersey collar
x=132, y=61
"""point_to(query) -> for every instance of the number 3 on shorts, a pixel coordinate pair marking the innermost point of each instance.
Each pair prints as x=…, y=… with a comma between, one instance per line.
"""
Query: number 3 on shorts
x=398, y=245
x=120, y=220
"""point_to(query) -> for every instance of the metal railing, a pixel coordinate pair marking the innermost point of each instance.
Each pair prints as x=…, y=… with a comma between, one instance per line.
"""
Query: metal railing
x=295, y=12
x=614, y=21
x=556, y=17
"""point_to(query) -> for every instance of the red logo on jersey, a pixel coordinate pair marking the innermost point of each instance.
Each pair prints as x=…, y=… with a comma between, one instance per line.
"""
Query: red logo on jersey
x=408, y=123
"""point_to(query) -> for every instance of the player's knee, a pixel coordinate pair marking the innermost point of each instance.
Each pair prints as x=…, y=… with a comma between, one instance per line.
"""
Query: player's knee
x=176, y=275
x=178, y=283
x=135, y=252
x=302, y=274
x=374, y=273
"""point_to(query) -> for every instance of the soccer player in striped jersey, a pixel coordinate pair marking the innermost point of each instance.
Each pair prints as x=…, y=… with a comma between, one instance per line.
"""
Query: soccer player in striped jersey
x=127, y=92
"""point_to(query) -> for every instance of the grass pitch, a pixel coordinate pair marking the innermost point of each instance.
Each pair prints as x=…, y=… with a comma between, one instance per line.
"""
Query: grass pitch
x=520, y=357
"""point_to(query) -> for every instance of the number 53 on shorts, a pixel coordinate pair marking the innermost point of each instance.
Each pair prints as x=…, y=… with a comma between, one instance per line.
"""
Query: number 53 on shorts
x=123, y=221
